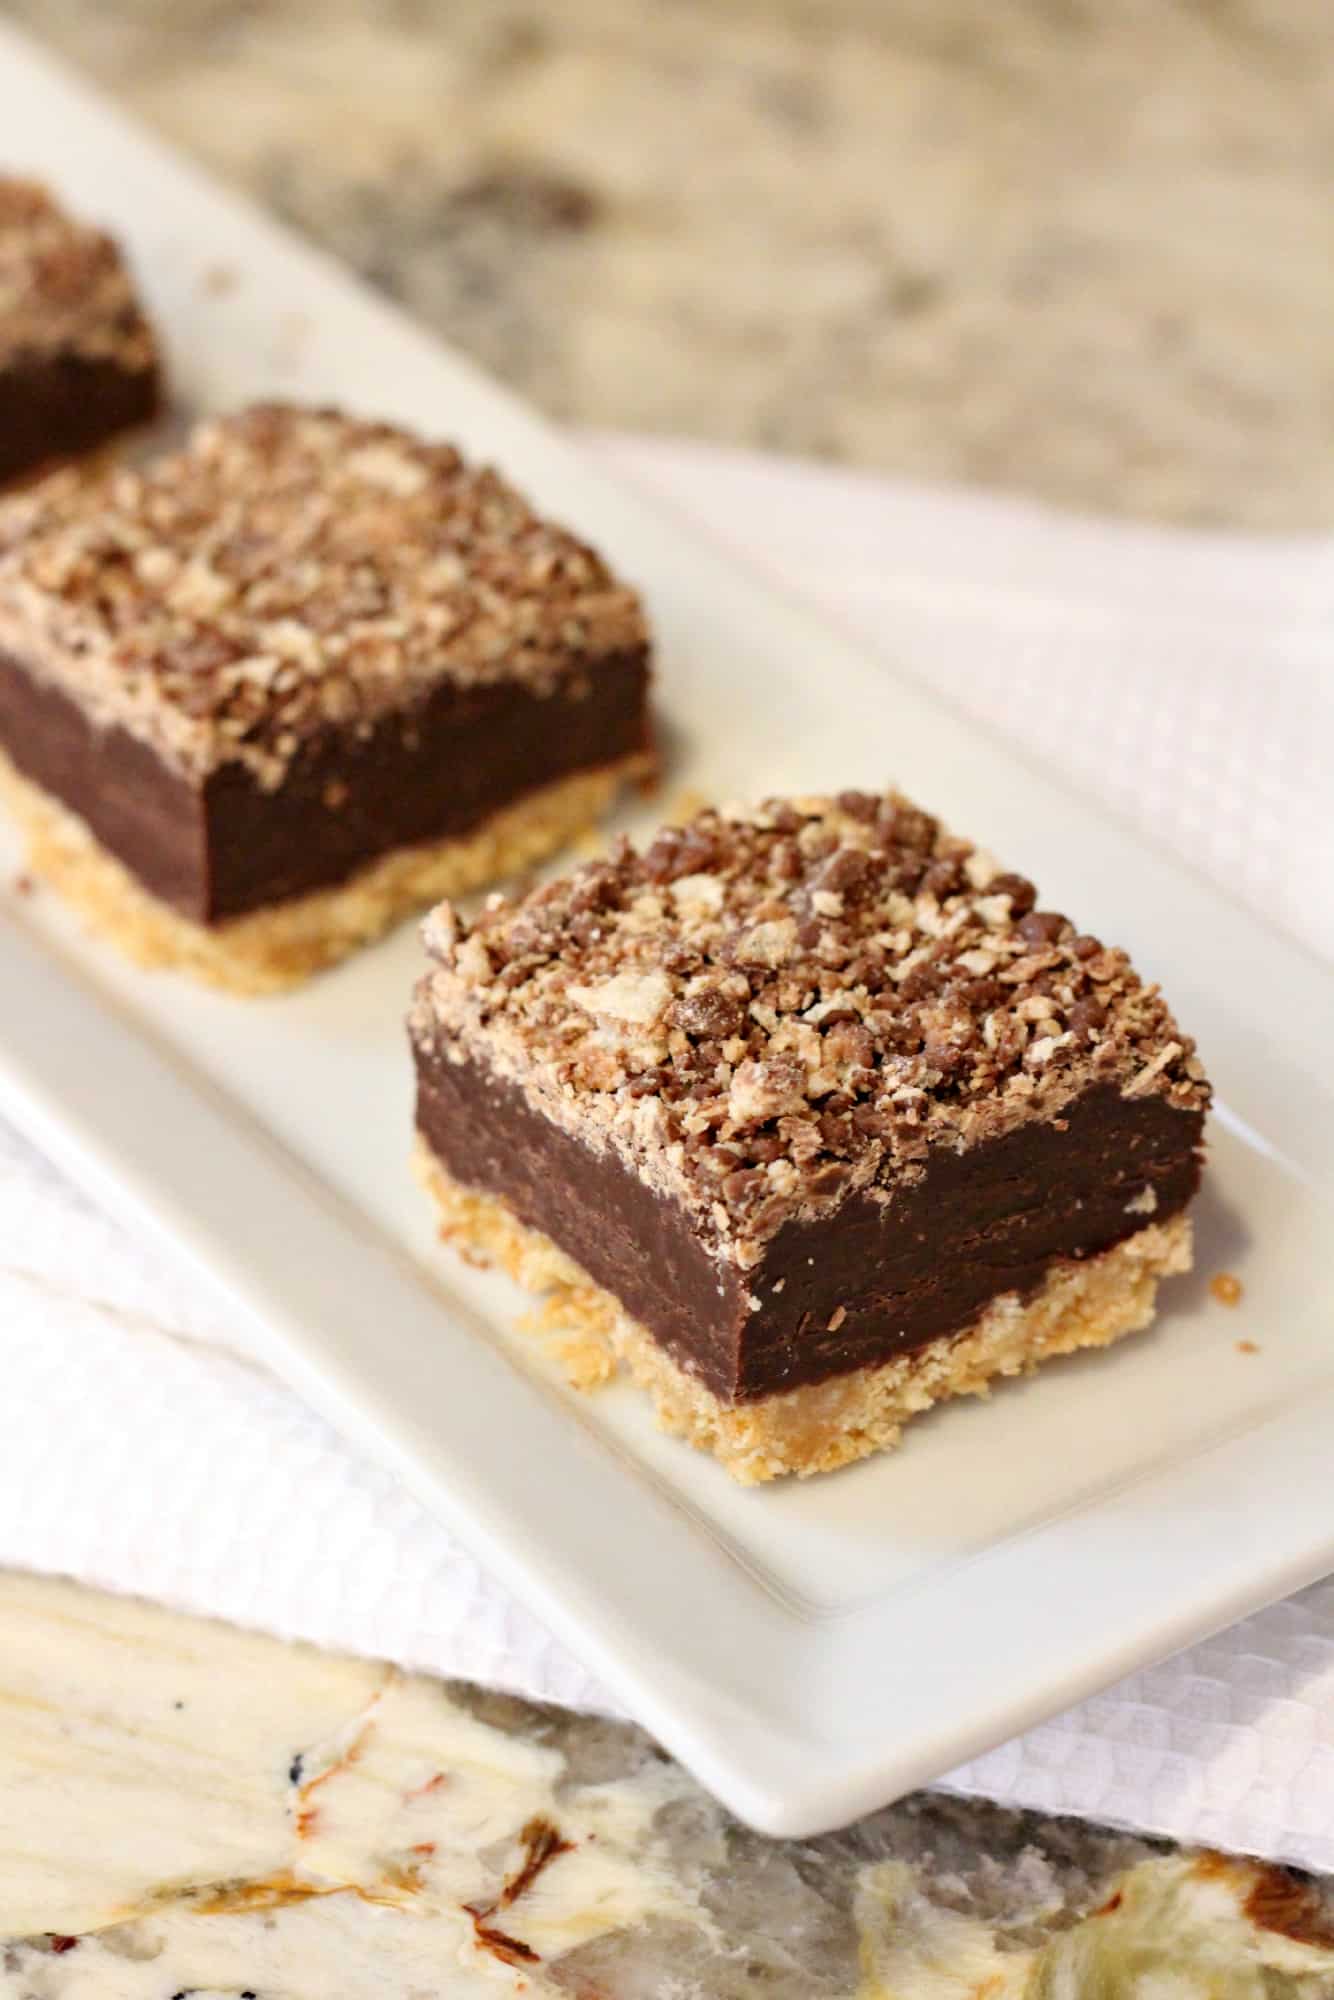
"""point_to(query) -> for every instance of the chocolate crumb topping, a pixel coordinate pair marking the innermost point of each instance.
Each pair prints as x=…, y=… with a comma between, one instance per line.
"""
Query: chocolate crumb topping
x=64, y=288
x=292, y=570
x=768, y=1009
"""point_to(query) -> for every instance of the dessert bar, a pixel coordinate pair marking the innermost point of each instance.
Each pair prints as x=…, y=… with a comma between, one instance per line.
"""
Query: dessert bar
x=263, y=697
x=809, y=1116
x=78, y=360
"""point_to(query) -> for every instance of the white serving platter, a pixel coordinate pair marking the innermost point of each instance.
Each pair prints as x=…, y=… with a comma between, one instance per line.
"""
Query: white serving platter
x=810, y=1651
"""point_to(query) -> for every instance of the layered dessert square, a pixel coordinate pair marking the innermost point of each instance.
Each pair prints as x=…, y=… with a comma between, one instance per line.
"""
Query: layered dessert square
x=78, y=360
x=263, y=697
x=809, y=1116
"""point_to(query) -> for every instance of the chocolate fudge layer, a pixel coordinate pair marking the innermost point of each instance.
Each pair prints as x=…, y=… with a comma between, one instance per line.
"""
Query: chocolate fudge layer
x=287, y=682
x=832, y=1118
x=78, y=360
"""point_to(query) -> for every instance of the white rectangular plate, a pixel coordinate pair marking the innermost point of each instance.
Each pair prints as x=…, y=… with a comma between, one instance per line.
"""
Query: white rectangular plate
x=809, y=1650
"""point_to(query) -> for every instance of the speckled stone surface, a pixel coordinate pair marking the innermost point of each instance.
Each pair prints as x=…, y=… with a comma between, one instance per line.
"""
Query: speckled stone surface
x=1076, y=250
x=337, y=1829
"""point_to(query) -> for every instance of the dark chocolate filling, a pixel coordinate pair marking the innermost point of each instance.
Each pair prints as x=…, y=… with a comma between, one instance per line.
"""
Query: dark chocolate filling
x=993, y=1219
x=65, y=404
x=225, y=847
x=143, y=811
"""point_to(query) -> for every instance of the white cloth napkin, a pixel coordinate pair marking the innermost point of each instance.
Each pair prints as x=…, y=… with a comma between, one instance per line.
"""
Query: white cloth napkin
x=1186, y=681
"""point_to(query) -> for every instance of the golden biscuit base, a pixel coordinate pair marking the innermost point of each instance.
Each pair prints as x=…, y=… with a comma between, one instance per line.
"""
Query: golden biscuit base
x=270, y=949
x=824, y=1425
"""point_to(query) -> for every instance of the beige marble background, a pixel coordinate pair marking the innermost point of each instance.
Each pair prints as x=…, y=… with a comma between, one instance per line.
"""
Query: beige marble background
x=1078, y=249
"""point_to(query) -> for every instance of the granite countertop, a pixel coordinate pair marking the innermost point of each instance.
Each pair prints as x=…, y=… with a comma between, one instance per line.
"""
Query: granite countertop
x=191, y=1810
x=1081, y=252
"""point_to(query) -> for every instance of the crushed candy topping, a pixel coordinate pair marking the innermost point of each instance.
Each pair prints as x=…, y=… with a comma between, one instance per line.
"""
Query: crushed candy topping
x=64, y=288
x=770, y=1008
x=290, y=571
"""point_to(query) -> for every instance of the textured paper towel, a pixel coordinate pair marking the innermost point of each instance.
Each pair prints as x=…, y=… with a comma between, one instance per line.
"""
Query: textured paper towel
x=1186, y=681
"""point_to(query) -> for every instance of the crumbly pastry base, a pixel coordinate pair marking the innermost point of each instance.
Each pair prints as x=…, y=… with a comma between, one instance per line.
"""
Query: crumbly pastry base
x=825, y=1424
x=270, y=949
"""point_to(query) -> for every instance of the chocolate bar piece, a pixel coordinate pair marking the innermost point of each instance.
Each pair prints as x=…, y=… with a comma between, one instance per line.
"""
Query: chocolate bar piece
x=264, y=697
x=809, y=1117
x=78, y=360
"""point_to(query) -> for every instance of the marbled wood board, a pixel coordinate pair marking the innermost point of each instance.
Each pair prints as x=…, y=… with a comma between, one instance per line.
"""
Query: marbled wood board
x=1077, y=251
